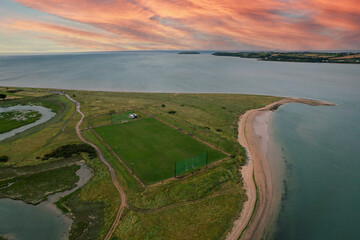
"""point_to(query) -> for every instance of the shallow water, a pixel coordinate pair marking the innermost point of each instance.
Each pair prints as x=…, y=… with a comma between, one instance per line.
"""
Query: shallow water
x=24, y=221
x=322, y=176
x=46, y=115
x=320, y=144
x=44, y=221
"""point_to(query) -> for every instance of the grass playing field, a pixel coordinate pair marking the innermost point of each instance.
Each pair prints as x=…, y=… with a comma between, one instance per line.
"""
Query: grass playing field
x=118, y=118
x=151, y=148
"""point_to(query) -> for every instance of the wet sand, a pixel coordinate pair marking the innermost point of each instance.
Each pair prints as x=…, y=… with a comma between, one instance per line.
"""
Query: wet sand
x=264, y=197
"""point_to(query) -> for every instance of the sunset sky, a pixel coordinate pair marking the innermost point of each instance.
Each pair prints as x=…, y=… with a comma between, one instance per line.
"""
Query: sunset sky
x=116, y=25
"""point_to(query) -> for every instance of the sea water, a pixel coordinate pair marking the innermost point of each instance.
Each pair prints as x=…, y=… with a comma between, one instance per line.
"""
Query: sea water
x=320, y=145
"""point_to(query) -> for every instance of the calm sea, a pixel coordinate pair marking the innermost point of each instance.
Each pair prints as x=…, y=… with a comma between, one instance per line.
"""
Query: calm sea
x=321, y=145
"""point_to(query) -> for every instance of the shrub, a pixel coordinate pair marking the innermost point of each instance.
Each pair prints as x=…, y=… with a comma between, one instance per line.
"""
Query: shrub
x=14, y=91
x=4, y=158
x=67, y=151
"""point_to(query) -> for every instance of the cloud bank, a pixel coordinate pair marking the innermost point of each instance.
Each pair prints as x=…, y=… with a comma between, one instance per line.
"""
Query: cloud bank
x=197, y=24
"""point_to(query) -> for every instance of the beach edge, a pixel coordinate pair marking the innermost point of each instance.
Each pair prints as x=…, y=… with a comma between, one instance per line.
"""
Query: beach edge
x=256, y=175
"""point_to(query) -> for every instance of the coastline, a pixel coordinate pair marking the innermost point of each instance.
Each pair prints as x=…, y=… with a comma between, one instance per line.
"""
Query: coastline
x=43, y=209
x=261, y=206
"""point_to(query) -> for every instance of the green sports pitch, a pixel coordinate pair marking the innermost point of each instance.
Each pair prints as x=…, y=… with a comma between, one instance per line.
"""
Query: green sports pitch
x=119, y=117
x=151, y=148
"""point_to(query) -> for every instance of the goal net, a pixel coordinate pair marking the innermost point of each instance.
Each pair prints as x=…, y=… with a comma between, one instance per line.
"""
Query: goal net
x=189, y=164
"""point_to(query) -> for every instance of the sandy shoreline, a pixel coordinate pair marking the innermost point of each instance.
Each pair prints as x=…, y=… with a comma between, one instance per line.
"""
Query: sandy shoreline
x=252, y=223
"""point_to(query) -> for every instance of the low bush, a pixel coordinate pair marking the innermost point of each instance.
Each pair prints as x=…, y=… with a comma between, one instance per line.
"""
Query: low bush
x=4, y=158
x=67, y=151
x=14, y=91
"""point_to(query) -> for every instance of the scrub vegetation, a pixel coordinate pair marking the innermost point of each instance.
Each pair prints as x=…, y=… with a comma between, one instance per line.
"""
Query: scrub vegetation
x=69, y=150
x=199, y=206
x=34, y=188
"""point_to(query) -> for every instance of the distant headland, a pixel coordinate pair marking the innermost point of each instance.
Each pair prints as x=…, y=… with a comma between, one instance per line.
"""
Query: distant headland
x=188, y=52
x=319, y=57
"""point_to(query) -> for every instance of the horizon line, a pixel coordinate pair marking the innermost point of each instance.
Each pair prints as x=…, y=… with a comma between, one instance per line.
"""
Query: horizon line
x=172, y=50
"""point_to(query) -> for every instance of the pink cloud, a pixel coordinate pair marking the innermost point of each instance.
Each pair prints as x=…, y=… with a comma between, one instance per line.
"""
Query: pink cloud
x=209, y=24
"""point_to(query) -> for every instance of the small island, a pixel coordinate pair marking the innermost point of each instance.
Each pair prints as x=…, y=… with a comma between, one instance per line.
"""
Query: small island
x=318, y=57
x=188, y=52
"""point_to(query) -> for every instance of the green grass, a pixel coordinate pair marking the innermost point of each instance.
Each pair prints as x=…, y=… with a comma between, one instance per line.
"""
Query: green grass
x=94, y=205
x=201, y=206
x=13, y=172
x=207, y=219
x=220, y=182
x=27, y=147
x=36, y=187
x=116, y=118
x=153, y=147
x=89, y=216
x=15, y=119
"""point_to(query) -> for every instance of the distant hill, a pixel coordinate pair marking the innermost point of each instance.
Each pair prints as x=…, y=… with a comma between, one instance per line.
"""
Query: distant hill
x=188, y=52
x=319, y=57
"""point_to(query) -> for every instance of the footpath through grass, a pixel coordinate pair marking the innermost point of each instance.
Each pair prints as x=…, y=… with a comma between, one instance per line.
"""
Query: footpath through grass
x=151, y=148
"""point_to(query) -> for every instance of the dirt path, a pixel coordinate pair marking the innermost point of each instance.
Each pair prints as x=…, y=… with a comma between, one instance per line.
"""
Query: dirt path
x=257, y=209
x=111, y=170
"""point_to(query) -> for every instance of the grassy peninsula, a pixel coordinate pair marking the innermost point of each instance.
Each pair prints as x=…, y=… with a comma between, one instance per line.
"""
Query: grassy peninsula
x=315, y=57
x=201, y=205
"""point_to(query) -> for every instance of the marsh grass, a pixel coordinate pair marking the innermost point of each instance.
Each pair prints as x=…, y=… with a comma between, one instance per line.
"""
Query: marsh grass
x=15, y=119
x=34, y=188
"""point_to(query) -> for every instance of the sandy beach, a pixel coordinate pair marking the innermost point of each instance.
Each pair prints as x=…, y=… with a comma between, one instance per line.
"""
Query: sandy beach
x=264, y=197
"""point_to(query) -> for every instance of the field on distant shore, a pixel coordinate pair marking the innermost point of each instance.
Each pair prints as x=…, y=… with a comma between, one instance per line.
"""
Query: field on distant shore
x=151, y=148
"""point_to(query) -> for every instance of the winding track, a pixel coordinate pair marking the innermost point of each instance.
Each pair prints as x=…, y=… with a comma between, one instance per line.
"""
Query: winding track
x=123, y=203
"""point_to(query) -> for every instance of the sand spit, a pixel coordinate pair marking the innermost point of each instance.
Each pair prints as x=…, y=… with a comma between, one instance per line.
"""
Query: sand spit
x=253, y=222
